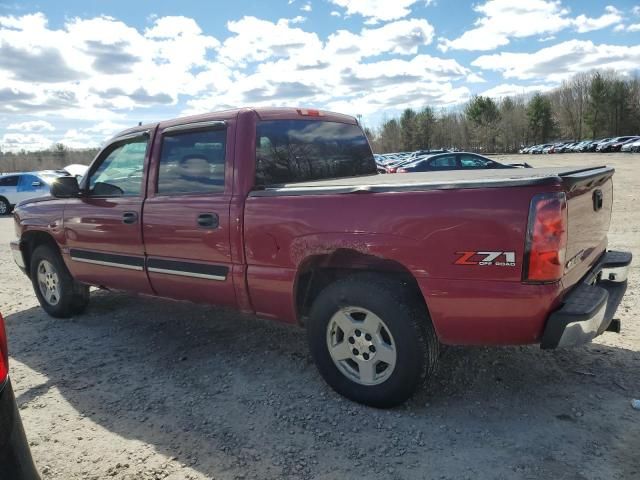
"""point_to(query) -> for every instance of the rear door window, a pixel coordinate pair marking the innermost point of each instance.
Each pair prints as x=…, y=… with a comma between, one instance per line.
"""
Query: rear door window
x=9, y=181
x=446, y=162
x=289, y=151
x=473, y=161
x=192, y=162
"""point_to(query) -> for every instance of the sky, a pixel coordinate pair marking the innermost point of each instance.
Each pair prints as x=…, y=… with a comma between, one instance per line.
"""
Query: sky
x=77, y=72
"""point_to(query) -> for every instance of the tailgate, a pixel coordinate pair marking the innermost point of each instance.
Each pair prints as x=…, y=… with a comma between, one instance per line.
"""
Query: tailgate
x=589, y=201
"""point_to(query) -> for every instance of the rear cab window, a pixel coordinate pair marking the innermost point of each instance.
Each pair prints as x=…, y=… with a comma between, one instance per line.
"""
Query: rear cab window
x=291, y=151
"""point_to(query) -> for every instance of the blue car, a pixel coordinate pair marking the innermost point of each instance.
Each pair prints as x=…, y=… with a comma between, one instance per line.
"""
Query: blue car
x=16, y=187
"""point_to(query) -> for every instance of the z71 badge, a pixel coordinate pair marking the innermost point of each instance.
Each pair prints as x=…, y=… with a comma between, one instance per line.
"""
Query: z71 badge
x=498, y=259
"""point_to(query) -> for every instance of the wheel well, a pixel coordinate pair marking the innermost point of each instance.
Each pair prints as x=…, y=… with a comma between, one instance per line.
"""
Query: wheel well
x=32, y=240
x=319, y=271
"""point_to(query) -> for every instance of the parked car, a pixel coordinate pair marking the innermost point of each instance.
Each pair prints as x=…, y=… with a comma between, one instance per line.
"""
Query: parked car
x=617, y=146
x=21, y=186
x=268, y=211
x=412, y=157
x=613, y=144
x=452, y=161
x=631, y=146
x=15, y=457
x=538, y=149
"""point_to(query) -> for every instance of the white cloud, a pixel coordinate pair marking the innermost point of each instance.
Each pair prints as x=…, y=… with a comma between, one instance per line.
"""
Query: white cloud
x=502, y=20
x=77, y=139
x=584, y=24
x=475, y=78
x=512, y=90
x=15, y=142
x=306, y=7
x=86, y=57
x=33, y=126
x=562, y=60
x=403, y=37
x=335, y=13
x=377, y=10
x=634, y=28
x=257, y=40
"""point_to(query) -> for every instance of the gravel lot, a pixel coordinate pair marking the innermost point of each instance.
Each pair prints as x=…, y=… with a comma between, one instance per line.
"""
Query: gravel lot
x=141, y=388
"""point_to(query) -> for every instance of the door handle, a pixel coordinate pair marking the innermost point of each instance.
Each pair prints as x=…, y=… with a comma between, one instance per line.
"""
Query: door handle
x=208, y=220
x=129, y=217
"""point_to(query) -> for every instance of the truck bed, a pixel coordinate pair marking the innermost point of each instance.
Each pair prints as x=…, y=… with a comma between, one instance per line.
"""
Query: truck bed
x=451, y=179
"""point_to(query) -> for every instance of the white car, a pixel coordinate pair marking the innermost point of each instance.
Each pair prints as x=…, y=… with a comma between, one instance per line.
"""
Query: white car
x=16, y=187
x=631, y=146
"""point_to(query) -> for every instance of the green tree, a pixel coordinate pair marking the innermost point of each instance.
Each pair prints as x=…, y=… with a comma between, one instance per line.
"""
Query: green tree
x=424, y=126
x=596, y=117
x=484, y=115
x=408, y=130
x=540, y=116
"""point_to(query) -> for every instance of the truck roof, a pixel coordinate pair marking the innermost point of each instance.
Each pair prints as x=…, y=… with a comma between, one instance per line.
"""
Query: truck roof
x=263, y=113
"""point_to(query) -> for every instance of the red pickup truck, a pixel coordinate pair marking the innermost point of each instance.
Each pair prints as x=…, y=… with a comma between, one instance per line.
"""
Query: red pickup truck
x=281, y=213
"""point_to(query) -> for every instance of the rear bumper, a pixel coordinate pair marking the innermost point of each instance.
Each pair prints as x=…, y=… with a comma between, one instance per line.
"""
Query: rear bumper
x=588, y=310
x=15, y=457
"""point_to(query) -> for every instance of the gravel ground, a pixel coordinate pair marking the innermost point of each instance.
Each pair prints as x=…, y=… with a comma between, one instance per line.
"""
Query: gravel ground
x=142, y=388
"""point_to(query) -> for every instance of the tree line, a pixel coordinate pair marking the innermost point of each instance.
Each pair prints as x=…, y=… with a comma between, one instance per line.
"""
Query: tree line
x=57, y=156
x=587, y=106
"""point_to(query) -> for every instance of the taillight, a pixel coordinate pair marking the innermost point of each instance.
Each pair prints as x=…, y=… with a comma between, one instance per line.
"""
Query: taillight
x=546, y=242
x=391, y=169
x=4, y=353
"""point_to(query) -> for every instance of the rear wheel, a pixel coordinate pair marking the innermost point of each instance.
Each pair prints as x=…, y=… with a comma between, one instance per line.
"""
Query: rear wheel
x=372, y=339
x=58, y=294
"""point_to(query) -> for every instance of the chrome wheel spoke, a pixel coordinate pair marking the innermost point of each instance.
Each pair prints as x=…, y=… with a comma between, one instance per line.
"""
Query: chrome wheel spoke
x=341, y=351
x=372, y=324
x=367, y=372
x=344, y=321
x=386, y=354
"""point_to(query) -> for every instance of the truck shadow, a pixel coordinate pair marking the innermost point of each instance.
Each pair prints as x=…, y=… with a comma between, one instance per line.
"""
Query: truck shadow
x=229, y=394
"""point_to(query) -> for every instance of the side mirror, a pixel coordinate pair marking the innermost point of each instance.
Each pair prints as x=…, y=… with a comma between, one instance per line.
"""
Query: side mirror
x=65, y=187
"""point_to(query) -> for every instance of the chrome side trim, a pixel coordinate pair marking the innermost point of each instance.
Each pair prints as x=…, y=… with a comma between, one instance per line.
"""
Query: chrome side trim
x=107, y=264
x=187, y=274
x=195, y=126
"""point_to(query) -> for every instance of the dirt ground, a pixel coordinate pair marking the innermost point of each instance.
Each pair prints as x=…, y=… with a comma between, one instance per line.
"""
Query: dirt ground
x=141, y=388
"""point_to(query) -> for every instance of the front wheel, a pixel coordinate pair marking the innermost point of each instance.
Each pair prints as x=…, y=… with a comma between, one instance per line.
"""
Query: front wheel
x=5, y=206
x=58, y=293
x=372, y=339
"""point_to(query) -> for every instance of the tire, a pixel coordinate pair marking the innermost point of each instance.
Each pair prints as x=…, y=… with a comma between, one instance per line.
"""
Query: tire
x=5, y=206
x=58, y=293
x=362, y=311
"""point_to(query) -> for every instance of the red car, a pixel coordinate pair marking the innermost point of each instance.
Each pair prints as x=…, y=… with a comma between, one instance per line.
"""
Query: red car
x=280, y=213
x=15, y=458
